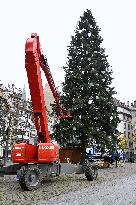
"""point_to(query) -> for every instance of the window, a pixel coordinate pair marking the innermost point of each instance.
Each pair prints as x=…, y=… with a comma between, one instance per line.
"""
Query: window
x=123, y=116
x=124, y=125
x=125, y=133
x=129, y=135
x=128, y=126
x=130, y=144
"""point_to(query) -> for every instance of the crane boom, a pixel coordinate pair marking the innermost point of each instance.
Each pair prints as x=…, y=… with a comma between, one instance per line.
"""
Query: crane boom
x=34, y=60
x=32, y=64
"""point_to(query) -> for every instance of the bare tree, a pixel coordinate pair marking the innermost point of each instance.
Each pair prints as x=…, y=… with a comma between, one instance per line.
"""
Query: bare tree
x=16, y=117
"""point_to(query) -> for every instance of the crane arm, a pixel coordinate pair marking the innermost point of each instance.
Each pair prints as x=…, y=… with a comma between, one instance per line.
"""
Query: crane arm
x=34, y=60
x=32, y=64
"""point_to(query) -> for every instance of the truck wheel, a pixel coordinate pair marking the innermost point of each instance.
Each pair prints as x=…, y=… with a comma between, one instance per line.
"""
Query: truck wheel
x=30, y=178
x=91, y=173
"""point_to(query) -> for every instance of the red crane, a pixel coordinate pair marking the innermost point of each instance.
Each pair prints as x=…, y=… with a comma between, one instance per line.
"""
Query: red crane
x=45, y=152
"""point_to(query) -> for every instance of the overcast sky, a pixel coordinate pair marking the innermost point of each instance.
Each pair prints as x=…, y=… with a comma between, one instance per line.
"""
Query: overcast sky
x=55, y=21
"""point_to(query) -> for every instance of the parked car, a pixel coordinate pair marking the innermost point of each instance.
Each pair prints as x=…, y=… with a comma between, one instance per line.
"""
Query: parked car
x=103, y=161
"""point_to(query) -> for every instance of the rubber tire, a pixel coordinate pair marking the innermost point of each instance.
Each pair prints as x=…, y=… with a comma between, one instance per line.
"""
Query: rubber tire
x=91, y=173
x=24, y=178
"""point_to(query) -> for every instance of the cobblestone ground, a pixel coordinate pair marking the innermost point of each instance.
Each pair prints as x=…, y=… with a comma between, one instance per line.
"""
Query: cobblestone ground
x=66, y=186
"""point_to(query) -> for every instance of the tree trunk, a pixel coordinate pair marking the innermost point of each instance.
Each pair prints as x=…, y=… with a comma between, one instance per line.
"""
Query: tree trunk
x=83, y=154
x=6, y=154
x=7, y=140
x=6, y=147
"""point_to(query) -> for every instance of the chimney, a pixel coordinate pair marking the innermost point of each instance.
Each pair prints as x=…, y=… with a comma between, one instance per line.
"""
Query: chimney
x=135, y=103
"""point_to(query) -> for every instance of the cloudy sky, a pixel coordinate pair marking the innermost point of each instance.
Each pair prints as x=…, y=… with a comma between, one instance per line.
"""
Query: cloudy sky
x=55, y=22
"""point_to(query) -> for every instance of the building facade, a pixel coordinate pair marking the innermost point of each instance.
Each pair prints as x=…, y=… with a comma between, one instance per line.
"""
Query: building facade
x=133, y=113
x=49, y=99
x=127, y=126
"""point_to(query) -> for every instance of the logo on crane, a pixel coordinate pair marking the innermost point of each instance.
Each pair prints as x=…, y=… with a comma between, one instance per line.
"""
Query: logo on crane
x=46, y=147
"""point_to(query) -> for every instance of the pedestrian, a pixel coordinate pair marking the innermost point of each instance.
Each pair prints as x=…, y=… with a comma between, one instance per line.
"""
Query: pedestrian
x=116, y=157
x=124, y=157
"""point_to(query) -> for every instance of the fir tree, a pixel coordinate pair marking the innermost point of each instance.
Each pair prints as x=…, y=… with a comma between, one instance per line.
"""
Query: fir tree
x=87, y=90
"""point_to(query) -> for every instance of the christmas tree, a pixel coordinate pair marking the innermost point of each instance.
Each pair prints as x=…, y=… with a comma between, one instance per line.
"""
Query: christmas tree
x=87, y=90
